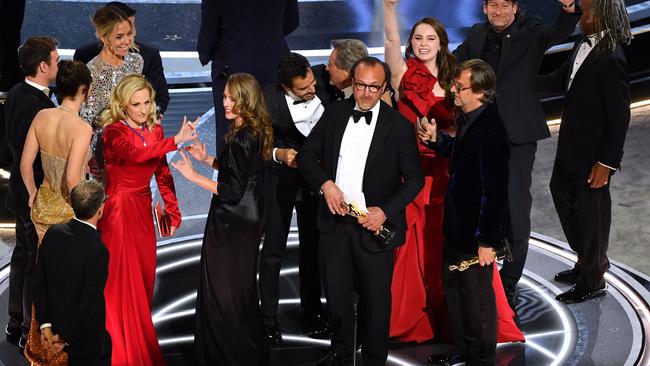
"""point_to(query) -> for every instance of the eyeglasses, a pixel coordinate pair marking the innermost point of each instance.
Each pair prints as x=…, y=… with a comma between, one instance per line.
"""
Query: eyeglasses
x=359, y=86
x=459, y=88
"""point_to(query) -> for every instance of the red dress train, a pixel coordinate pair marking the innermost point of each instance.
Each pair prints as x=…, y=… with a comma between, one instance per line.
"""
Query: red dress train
x=132, y=157
x=418, y=305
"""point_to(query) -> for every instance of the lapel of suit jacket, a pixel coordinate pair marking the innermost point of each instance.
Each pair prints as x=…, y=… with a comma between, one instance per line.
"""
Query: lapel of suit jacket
x=506, y=41
x=378, y=137
x=586, y=64
x=339, y=129
x=40, y=95
x=285, y=113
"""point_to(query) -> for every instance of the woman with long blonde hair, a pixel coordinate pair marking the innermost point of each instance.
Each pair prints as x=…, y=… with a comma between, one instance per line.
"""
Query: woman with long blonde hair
x=229, y=328
x=134, y=151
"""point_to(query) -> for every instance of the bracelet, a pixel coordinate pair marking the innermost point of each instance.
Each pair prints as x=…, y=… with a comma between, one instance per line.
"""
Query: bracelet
x=568, y=6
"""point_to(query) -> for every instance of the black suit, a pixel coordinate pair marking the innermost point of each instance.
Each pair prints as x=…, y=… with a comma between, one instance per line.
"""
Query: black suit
x=350, y=255
x=475, y=211
x=152, y=69
x=243, y=36
x=291, y=190
x=23, y=103
x=69, y=282
x=519, y=58
x=595, y=119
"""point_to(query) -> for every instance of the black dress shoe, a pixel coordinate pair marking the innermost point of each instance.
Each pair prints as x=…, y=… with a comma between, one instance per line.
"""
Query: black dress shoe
x=568, y=276
x=580, y=294
x=445, y=359
x=315, y=325
x=332, y=359
x=13, y=335
x=272, y=332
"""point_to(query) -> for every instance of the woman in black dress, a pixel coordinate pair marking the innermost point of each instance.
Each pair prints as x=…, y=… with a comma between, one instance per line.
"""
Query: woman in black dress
x=229, y=328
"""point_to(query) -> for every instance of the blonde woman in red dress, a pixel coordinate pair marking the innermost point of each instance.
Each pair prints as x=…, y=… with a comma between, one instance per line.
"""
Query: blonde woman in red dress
x=424, y=83
x=134, y=151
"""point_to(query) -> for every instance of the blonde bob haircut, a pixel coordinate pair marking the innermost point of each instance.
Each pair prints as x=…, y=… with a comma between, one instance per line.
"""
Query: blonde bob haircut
x=250, y=106
x=120, y=97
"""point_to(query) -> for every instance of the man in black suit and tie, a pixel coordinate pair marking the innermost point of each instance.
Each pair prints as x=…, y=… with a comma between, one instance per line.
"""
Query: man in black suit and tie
x=243, y=36
x=295, y=105
x=475, y=212
x=69, y=282
x=153, y=67
x=595, y=81
x=38, y=59
x=364, y=153
x=514, y=46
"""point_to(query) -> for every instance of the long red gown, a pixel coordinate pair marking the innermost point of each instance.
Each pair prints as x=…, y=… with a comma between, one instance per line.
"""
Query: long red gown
x=418, y=305
x=132, y=157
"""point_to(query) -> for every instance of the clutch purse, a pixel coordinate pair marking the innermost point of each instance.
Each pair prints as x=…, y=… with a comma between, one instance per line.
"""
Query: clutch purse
x=163, y=220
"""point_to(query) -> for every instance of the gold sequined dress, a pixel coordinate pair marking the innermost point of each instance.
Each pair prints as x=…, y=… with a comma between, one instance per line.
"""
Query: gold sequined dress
x=105, y=79
x=51, y=206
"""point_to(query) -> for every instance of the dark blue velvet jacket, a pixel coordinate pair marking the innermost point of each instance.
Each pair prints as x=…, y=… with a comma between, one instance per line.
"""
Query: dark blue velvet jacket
x=476, y=199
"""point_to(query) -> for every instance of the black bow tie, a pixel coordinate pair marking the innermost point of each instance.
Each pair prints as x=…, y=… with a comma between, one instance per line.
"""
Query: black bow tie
x=299, y=101
x=584, y=39
x=356, y=116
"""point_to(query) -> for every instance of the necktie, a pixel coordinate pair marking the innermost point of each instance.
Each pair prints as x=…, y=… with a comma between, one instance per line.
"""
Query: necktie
x=47, y=92
x=295, y=102
x=584, y=39
x=356, y=116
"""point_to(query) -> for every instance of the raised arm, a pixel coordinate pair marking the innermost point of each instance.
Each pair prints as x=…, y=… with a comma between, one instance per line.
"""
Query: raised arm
x=392, y=45
x=166, y=187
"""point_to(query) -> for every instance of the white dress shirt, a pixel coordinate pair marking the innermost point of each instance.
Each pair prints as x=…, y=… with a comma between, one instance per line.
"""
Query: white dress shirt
x=305, y=115
x=40, y=87
x=353, y=154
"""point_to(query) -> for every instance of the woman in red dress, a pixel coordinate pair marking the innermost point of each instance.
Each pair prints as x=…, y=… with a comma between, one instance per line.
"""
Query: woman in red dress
x=424, y=79
x=134, y=151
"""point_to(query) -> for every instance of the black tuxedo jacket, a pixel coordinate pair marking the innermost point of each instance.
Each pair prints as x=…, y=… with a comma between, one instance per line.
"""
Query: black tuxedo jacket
x=246, y=36
x=23, y=103
x=69, y=280
x=521, y=56
x=393, y=173
x=596, y=110
x=152, y=69
x=477, y=195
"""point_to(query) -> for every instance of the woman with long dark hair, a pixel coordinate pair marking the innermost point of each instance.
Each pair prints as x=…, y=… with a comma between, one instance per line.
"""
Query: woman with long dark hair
x=229, y=328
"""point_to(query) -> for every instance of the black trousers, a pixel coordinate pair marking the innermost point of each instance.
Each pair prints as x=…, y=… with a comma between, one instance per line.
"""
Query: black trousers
x=520, y=170
x=472, y=312
x=102, y=359
x=348, y=267
x=290, y=194
x=23, y=260
x=585, y=215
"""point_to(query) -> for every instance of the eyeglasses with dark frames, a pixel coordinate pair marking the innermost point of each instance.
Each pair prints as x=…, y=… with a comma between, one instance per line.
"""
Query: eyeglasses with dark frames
x=359, y=86
x=459, y=88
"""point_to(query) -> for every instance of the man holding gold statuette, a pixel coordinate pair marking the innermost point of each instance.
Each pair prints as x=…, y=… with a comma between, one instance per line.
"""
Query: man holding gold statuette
x=475, y=213
x=362, y=154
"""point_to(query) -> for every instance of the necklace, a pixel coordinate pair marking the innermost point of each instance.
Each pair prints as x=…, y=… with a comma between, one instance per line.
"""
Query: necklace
x=140, y=135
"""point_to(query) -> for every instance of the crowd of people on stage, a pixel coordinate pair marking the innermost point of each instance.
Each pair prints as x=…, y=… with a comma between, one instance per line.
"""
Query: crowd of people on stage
x=400, y=171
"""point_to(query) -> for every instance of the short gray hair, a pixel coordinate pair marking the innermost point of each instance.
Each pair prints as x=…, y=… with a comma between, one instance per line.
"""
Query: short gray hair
x=86, y=198
x=348, y=51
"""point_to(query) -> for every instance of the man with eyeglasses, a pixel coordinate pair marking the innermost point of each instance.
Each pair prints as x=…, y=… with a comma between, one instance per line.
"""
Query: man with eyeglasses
x=69, y=282
x=514, y=46
x=475, y=212
x=363, y=153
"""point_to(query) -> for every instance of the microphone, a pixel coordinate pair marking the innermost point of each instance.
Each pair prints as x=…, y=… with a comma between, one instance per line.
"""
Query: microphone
x=354, y=298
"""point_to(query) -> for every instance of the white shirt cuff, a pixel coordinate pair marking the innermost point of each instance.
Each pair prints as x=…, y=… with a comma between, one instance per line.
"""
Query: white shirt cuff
x=46, y=325
x=606, y=166
x=274, y=158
